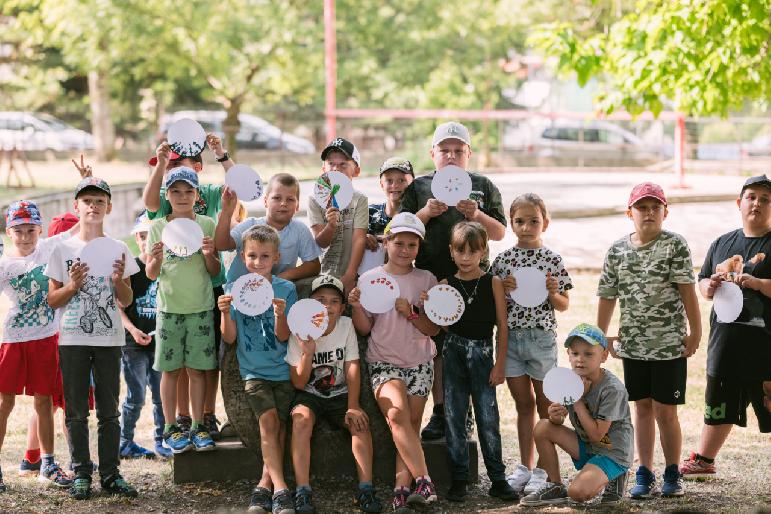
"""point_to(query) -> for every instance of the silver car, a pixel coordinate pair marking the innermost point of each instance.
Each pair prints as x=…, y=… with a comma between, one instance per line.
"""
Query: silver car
x=39, y=132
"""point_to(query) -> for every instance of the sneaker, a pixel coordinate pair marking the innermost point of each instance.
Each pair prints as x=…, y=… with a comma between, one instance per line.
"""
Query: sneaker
x=614, y=490
x=161, y=451
x=261, y=501
x=282, y=502
x=211, y=423
x=202, y=440
x=693, y=467
x=177, y=440
x=548, y=494
x=434, y=430
x=592, y=502
x=538, y=478
x=673, y=482
x=457, y=491
x=115, y=484
x=29, y=469
x=54, y=476
x=424, y=493
x=184, y=423
x=367, y=501
x=81, y=488
x=519, y=479
x=303, y=502
x=503, y=491
x=131, y=450
x=645, y=484
x=399, y=502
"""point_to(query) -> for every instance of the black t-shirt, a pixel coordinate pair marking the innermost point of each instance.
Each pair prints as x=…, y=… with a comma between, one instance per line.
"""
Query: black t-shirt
x=478, y=319
x=142, y=310
x=742, y=348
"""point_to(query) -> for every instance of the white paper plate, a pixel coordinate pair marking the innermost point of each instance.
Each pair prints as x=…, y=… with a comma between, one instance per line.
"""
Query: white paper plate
x=252, y=294
x=186, y=137
x=445, y=305
x=379, y=292
x=450, y=185
x=372, y=259
x=563, y=386
x=182, y=236
x=728, y=302
x=308, y=318
x=100, y=255
x=531, y=287
x=338, y=182
x=245, y=182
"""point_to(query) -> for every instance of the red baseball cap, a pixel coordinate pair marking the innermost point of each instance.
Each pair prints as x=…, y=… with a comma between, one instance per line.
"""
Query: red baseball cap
x=62, y=223
x=646, y=190
x=172, y=157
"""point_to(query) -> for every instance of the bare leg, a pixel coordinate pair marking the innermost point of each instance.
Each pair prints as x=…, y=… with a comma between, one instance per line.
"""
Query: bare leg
x=212, y=384
x=547, y=437
x=272, y=449
x=183, y=393
x=437, y=389
x=524, y=399
x=7, y=401
x=33, y=442
x=588, y=483
x=712, y=439
x=169, y=390
x=670, y=434
x=645, y=431
x=197, y=380
x=361, y=446
x=45, y=423
x=303, y=420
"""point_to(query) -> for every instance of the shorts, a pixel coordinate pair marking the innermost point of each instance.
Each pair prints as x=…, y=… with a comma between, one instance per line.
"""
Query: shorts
x=332, y=409
x=184, y=341
x=727, y=400
x=264, y=395
x=418, y=379
x=31, y=367
x=610, y=467
x=663, y=381
x=532, y=352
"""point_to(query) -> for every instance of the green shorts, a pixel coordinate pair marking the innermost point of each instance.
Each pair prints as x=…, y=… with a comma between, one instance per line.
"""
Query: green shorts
x=264, y=395
x=184, y=341
x=333, y=409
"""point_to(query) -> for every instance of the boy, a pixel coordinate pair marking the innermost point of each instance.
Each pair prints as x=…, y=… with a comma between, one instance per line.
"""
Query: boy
x=341, y=234
x=650, y=271
x=184, y=323
x=738, y=355
x=29, y=355
x=261, y=349
x=601, y=444
x=138, y=354
x=88, y=345
x=327, y=373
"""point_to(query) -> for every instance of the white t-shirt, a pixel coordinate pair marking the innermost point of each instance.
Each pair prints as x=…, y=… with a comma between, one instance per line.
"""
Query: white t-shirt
x=24, y=282
x=332, y=352
x=91, y=317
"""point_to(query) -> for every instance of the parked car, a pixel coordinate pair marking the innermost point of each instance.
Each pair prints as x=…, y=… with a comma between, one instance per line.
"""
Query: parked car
x=254, y=133
x=760, y=146
x=39, y=131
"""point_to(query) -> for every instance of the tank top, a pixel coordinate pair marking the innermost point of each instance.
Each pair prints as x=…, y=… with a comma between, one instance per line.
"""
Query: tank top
x=478, y=319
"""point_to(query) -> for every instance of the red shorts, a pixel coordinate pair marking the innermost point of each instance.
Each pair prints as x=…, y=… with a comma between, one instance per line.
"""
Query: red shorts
x=31, y=367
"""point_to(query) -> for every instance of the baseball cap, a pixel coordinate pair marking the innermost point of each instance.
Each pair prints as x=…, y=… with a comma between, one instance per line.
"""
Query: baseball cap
x=759, y=180
x=342, y=145
x=406, y=222
x=328, y=281
x=141, y=224
x=646, y=190
x=92, y=183
x=398, y=164
x=22, y=212
x=62, y=223
x=184, y=174
x=589, y=333
x=451, y=130
x=173, y=156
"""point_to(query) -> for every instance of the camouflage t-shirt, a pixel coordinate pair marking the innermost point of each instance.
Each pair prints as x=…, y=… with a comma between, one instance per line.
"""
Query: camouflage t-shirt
x=644, y=279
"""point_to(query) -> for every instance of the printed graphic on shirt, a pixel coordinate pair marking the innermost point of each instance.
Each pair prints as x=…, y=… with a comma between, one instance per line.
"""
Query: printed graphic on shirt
x=31, y=289
x=92, y=309
x=146, y=305
x=328, y=372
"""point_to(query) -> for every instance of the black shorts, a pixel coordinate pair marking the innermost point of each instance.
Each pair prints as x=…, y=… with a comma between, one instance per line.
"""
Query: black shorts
x=332, y=409
x=726, y=401
x=663, y=381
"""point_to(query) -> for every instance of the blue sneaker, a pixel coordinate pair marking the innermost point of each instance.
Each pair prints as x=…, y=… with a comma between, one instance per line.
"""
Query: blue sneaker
x=29, y=469
x=673, y=482
x=201, y=439
x=53, y=476
x=131, y=450
x=177, y=440
x=645, y=486
x=161, y=450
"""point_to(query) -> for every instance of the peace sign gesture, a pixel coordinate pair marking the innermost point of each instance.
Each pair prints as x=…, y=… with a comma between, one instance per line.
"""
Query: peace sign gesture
x=84, y=169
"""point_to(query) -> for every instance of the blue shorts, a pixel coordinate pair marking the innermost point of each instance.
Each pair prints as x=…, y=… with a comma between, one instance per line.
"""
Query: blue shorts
x=611, y=468
x=532, y=351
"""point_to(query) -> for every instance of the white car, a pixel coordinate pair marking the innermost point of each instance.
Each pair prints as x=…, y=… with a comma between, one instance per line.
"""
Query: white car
x=761, y=145
x=39, y=132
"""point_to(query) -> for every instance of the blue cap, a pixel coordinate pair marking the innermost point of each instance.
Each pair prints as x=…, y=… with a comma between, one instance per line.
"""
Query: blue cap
x=22, y=212
x=142, y=224
x=184, y=174
x=589, y=333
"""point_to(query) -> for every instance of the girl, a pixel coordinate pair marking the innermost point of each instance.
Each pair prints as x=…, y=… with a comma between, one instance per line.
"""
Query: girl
x=400, y=354
x=532, y=349
x=467, y=358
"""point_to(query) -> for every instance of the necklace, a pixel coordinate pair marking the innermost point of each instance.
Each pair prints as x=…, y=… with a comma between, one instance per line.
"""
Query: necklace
x=470, y=297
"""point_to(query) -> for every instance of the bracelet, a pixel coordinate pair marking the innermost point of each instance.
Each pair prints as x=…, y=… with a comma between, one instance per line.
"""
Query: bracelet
x=413, y=316
x=225, y=157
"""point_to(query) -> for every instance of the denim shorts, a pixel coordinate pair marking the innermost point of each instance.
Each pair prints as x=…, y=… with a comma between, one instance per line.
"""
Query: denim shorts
x=611, y=468
x=532, y=351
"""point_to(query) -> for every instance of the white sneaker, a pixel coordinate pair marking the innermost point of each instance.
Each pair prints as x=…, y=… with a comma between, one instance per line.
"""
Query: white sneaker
x=519, y=479
x=537, y=481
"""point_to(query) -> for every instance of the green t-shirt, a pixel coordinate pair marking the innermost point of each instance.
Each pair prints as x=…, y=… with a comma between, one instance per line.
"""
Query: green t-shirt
x=184, y=284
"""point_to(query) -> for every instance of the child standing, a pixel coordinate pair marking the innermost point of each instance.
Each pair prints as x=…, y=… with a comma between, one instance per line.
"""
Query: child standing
x=400, y=355
x=651, y=272
x=532, y=344
x=396, y=174
x=467, y=357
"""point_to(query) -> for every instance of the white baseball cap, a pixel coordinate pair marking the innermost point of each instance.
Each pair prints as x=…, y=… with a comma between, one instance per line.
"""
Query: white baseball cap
x=451, y=130
x=406, y=222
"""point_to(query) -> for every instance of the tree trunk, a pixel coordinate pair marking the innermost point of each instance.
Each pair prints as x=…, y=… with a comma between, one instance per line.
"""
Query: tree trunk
x=101, y=123
x=231, y=126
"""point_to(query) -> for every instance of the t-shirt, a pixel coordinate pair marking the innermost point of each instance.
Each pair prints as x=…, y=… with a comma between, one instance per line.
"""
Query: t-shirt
x=24, y=282
x=327, y=377
x=545, y=260
x=479, y=315
x=184, y=284
x=142, y=309
x=433, y=254
x=91, y=317
x=644, y=279
x=608, y=401
x=378, y=219
x=336, y=256
x=742, y=348
x=393, y=338
x=260, y=354
x=296, y=242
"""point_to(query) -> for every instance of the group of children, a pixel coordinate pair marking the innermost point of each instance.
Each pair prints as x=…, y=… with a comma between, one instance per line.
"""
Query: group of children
x=176, y=310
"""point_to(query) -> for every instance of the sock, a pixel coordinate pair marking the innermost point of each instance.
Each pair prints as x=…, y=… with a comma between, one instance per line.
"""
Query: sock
x=439, y=409
x=32, y=456
x=279, y=492
x=402, y=489
x=195, y=424
x=48, y=460
x=168, y=426
x=424, y=477
x=364, y=486
x=304, y=487
x=705, y=459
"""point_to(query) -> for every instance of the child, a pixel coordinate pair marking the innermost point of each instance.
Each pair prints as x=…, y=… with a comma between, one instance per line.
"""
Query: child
x=138, y=354
x=239, y=215
x=29, y=355
x=184, y=323
x=467, y=358
x=396, y=174
x=341, y=234
x=400, y=355
x=650, y=271
x=601, y=444
x=327, y=373
x=532, y=344
x=91, y=335
x=261, y=347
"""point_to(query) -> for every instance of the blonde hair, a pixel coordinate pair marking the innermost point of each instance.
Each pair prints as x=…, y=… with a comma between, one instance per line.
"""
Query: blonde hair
x=262, y=234
x=531, y=199
x=284, y=179
x=469, y=234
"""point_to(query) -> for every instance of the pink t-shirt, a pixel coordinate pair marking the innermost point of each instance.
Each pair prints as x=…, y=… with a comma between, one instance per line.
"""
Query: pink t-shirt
x=393, y=339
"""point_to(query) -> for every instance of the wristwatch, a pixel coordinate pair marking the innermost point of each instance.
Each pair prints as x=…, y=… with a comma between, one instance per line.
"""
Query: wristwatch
x=225, y=157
